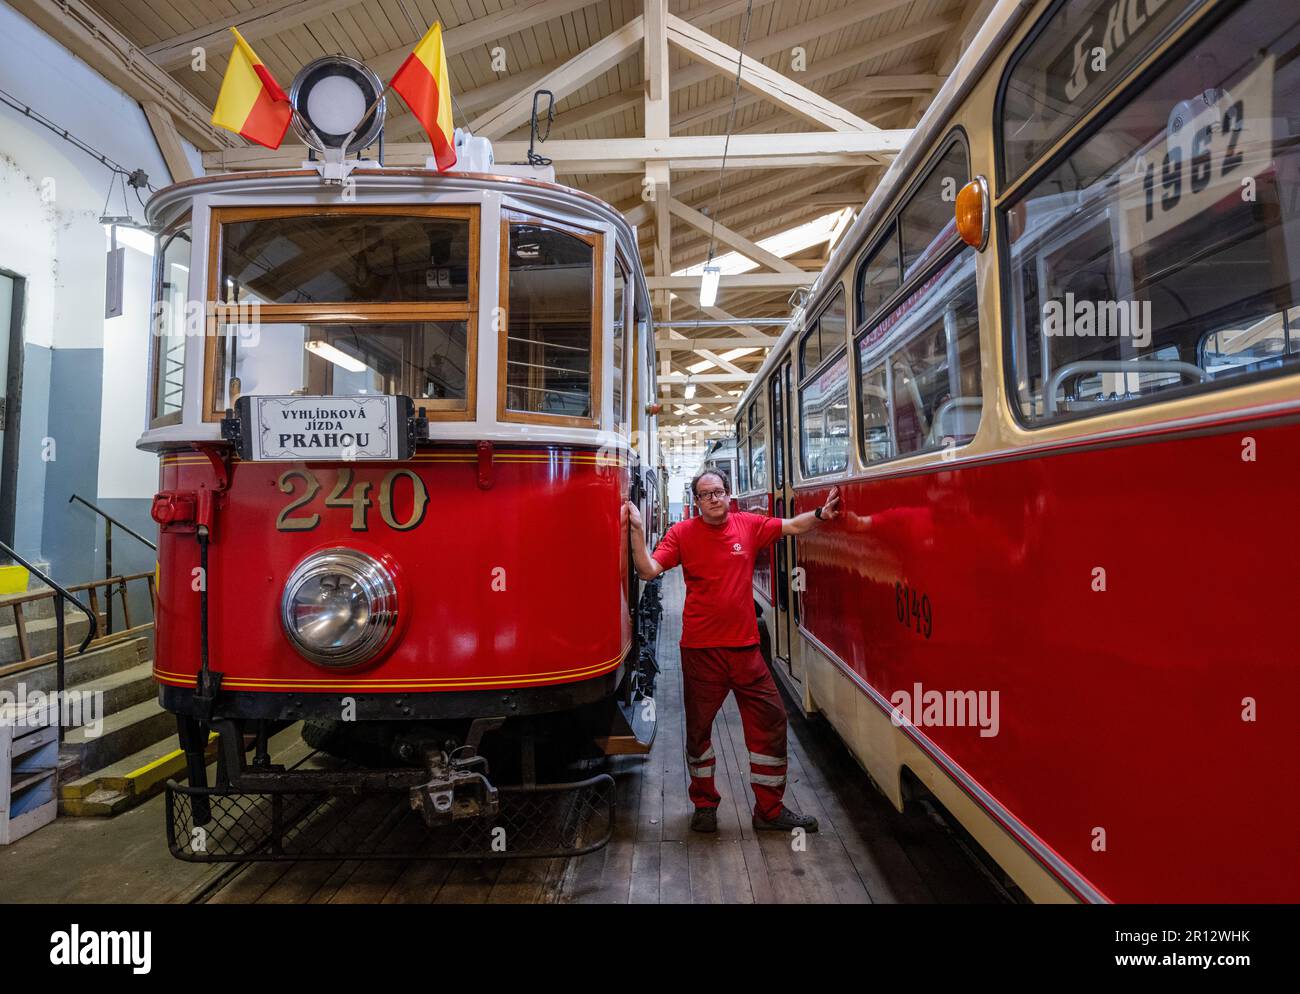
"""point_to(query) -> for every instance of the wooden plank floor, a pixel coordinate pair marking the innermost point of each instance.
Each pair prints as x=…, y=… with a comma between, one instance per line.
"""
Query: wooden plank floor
x=864, y=853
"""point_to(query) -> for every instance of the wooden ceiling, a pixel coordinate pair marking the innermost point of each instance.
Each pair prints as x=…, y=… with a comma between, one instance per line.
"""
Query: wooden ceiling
x=880, y=61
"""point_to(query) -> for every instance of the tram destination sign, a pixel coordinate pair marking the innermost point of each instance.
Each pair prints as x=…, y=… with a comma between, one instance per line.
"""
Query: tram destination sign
x=290, y=428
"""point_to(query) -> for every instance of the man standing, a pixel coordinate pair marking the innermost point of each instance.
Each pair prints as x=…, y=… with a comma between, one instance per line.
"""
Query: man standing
x=720, y=650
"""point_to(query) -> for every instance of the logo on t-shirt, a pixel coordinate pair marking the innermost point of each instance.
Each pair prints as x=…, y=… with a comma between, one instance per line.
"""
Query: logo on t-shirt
x=737, y=549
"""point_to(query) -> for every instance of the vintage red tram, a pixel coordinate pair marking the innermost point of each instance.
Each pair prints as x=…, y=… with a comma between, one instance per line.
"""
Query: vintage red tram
x=1054, y=600
x=397, y=419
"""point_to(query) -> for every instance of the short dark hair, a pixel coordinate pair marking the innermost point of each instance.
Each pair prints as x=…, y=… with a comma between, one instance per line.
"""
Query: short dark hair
x=710, y=470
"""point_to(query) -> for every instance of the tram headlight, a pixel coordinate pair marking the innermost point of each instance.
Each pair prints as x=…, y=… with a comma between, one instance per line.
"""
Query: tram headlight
x=339, y=607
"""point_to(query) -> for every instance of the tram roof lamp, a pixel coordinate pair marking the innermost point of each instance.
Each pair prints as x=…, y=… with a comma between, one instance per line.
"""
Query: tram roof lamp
x=337, y=356
x=709, y=286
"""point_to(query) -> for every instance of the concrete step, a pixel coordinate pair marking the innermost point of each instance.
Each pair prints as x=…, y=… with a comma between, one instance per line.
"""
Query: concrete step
x=123, y=689
x=129, y=781
x=41, y=633
x=128, y=731
x=140, y=776
x=95, y=664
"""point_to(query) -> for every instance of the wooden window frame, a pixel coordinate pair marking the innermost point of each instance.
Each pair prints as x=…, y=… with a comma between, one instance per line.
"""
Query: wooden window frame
x=596, y=240
x=349, y=313
x=155, y=345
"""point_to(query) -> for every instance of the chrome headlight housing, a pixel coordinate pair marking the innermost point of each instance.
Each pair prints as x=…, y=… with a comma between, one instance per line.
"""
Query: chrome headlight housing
x=339, y=607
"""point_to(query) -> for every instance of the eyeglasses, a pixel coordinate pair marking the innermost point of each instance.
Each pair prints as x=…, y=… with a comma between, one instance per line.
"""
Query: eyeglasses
x=712, y=495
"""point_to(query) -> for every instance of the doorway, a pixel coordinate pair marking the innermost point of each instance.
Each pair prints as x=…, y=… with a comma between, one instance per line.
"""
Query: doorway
x=13, y=293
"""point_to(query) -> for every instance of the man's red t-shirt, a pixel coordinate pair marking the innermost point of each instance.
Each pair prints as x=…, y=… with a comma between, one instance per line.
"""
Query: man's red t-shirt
x=718, y=564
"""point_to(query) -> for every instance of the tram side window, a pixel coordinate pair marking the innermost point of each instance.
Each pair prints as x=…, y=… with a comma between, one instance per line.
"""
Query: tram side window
x=740, y=476
x=928, y=222
x=919, y=367
x=171, y=297
x=824, y=420
x=550, y=321
x=874, y=390
x=824, y=336
x=620, y=327
x=810, y=351
x=778, y=432
x=1159, y=259
x=757, y=446
x=936, y=374
x=878, y=276
x=1059, y=75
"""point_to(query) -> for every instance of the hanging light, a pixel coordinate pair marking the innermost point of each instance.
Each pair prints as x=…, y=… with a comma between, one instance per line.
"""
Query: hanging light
x=709, y=286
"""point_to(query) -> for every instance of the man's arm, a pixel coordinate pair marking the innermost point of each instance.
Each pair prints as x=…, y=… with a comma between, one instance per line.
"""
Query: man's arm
x=807, y=521
x=647, y=567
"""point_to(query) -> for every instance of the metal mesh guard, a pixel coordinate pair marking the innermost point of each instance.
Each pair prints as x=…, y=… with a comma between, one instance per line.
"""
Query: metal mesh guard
x=567, y=819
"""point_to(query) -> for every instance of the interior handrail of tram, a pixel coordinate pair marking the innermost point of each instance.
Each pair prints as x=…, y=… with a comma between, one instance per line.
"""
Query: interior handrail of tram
x=1119, y=366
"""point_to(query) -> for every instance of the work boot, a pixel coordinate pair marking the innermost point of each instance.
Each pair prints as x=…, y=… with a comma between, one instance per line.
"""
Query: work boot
x=704, y=820
x=785, y=821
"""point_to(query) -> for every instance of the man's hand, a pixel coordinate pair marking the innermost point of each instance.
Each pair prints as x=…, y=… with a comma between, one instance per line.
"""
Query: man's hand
x=634, y=517
x=831, y=509
x=803, y=523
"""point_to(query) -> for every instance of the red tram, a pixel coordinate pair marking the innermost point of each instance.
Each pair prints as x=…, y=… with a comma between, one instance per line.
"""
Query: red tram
x=397, y=418
x=1061, y=408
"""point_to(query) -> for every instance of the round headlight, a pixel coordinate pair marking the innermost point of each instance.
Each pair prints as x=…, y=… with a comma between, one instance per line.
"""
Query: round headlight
x=339, y=607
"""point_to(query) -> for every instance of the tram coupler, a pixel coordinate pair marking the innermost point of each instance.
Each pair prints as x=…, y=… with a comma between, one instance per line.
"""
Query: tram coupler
x=457, y=789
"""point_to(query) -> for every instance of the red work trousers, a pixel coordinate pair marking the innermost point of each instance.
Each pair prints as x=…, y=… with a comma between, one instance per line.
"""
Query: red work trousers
x=707, y=676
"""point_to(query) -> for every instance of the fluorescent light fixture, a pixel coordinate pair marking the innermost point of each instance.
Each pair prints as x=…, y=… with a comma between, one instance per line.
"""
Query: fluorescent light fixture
x=709, y=286
x=132, y=238
x=337, y=356
x=690, y=390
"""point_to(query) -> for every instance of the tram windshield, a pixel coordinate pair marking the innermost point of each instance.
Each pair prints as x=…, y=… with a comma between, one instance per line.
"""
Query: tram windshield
x=346, y=301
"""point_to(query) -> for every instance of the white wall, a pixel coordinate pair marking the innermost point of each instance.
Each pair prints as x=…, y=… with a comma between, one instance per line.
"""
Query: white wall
x=51, y=197
x=124, y=470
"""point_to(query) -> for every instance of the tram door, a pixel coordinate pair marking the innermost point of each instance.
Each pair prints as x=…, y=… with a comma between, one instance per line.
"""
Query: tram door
x=782, y=494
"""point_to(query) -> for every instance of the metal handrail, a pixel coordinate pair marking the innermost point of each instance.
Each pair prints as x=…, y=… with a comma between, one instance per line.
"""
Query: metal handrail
x=108, y=517
x=109, y=522
x=60, y=650
x=1118, y=366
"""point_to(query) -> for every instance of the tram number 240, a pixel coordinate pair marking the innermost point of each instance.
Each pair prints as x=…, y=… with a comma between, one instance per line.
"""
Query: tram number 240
x=358, y=500
x=913, y=609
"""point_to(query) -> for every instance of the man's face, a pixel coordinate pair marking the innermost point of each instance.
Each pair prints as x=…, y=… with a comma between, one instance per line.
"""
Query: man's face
x=711, y=495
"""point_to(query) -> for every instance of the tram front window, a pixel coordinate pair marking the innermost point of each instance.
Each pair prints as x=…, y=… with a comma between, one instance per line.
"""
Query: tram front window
x=551, y=308
x=352, y=257
x=1162, y=257
x=424, y=360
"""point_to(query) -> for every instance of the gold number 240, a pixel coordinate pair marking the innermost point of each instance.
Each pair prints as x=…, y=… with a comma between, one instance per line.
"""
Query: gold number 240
x=359, y=501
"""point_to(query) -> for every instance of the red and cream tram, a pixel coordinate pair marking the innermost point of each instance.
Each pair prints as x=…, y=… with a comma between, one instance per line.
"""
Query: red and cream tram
x=395, y=444
x=1054, y=370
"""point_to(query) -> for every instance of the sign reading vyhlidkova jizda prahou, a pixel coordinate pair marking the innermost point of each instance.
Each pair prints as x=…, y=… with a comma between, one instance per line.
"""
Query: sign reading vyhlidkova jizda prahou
x=281, y=428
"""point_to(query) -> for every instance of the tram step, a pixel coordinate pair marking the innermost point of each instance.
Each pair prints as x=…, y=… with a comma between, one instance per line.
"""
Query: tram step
x=123, y=733
x=632, y=729
x=41, y=634
x=95, y=664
